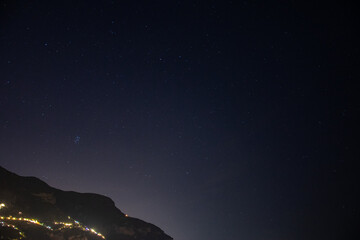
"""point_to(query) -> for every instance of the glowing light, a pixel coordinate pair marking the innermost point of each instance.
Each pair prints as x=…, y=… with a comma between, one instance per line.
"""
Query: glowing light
x=73, y=224
x=22, y=235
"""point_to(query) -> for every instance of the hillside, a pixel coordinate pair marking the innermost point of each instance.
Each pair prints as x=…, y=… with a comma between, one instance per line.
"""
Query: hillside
x=31, y=209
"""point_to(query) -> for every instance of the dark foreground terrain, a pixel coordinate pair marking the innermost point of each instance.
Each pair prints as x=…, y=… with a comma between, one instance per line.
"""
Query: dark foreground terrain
x=31, y=209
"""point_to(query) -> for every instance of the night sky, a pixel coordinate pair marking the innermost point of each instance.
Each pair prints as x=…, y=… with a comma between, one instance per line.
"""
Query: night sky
x=214, y=120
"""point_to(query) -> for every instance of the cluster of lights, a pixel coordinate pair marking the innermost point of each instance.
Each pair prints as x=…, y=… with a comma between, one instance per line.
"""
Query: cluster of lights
x=64, y=225
x=34, y=221
x=4, y=224
x=82, y=227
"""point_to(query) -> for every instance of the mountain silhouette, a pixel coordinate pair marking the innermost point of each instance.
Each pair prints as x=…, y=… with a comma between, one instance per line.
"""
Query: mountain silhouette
x=31, y=209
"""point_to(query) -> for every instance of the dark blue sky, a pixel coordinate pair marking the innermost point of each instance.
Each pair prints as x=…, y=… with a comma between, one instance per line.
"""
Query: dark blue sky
x=211, y=119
